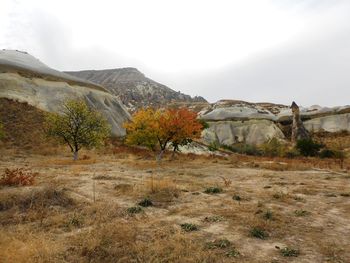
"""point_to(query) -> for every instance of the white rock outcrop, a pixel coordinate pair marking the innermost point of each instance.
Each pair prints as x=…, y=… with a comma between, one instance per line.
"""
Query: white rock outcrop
x=250, y=132
x=331, y=123
x=255, y=123
x=25, y=79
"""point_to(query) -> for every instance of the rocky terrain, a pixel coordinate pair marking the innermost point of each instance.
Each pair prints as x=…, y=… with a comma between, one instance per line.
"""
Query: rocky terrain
x=254, y=123
x=133, y=88
x=25, y=79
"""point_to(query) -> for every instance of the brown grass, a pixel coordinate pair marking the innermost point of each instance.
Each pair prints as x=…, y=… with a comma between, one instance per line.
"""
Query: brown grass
x=57, y=220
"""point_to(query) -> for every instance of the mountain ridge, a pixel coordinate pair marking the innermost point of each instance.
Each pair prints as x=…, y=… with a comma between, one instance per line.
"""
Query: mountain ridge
x=133, y=88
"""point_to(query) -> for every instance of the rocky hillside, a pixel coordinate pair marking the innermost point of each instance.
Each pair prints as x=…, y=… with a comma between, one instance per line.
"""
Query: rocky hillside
x=24, y=78
x=133, y=88
x=255, y=123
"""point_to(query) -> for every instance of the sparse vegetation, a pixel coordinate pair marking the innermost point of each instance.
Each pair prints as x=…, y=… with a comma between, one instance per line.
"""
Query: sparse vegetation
x=56, y=219
x=301, y=213
x=213, y=190
x=289, y=252
x=258, y=232
x=237, y=197
x=219, y=243
x=213, y=219
x=273, y=148
x=268, y=215
x=188, y=227
x=146, y=202
x=134, y=210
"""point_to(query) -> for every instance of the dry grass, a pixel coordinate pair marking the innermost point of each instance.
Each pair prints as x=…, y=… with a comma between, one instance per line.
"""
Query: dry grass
x=57, y=219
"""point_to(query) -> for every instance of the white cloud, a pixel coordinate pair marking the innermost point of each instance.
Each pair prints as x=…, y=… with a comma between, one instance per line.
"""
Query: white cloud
x=183, y=42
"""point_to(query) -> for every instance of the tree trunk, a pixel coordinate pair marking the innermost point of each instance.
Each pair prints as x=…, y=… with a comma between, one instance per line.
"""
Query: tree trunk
x=75, y=155
x=160, y=156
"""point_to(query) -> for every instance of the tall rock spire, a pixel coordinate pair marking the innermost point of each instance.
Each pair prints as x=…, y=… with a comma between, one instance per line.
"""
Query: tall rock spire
x=298, y=130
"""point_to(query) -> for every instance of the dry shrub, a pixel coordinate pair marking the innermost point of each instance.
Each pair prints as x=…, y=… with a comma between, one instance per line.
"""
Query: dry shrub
x=17, y=177
x=160, y=184
x=32, y=205
x=161, y=190
x=44, y=196
x=22, y=246
x=122, y=241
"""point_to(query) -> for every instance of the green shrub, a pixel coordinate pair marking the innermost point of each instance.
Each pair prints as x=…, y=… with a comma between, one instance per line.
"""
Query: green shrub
x=232, y=253
x=268, y=215
x=213, y=219
x=301, y=213
x=213, y=190
x=272, y=148
x=188, y=227
x=145, y=202
x=327, y=153
x=214, y=146
x=219, y=243
x=134, y=210
x=307, y=147
x=289, y=252
x=258, y=232
x=237, y=198
x=292, y=153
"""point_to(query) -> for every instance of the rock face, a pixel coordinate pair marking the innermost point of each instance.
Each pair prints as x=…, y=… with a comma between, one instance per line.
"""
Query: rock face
x=255, y=123
x=332, y=123
x=251, y=132
x=26, y=79
x=298, y=130
x=133, y=88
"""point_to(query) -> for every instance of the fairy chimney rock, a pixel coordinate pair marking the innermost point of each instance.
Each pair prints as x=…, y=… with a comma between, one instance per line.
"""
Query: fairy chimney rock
x=298, y=130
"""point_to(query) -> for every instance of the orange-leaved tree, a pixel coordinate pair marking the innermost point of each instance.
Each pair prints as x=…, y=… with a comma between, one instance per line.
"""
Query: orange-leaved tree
x=160, y=128
x=183, y=126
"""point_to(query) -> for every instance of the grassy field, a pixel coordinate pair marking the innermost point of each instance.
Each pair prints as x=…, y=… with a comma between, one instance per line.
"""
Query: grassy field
x=119, y=206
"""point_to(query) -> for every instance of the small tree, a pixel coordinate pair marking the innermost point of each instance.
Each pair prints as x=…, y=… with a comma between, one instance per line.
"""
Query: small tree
x=152, y=128
x=184, y=127
x=77, y=126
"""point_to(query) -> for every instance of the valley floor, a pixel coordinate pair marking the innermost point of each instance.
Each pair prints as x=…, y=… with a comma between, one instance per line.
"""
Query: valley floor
x=86, y=211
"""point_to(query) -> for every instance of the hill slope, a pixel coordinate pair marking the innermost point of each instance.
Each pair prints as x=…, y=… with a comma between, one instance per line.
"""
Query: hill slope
x=25, y=79
x=133, y=88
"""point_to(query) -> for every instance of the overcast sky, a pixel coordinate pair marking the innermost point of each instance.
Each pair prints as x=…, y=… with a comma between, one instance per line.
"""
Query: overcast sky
x=263, y=50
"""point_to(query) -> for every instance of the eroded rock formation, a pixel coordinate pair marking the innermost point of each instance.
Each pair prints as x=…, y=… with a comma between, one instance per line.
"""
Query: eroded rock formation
x=298, y=130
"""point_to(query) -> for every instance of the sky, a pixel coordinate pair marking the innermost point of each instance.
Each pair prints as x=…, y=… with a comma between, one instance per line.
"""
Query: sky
x=254, y=50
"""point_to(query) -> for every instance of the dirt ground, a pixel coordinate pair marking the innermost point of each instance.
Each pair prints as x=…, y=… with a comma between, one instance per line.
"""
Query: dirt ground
x=87, y=211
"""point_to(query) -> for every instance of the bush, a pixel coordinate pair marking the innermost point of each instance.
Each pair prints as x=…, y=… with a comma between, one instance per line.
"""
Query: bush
x=17, y=177
x=219, y=243
x=213, y=146
x=134, y=210
x=289, y=252
x=189, y=227
x=328, y=153
x=213, y=190
x=145, y=202
x=307, y=147
x=272, y=148
x=258, y=232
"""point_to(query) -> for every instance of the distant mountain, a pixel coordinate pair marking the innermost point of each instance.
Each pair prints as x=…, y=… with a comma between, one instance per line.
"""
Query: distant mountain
x=133, y=88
